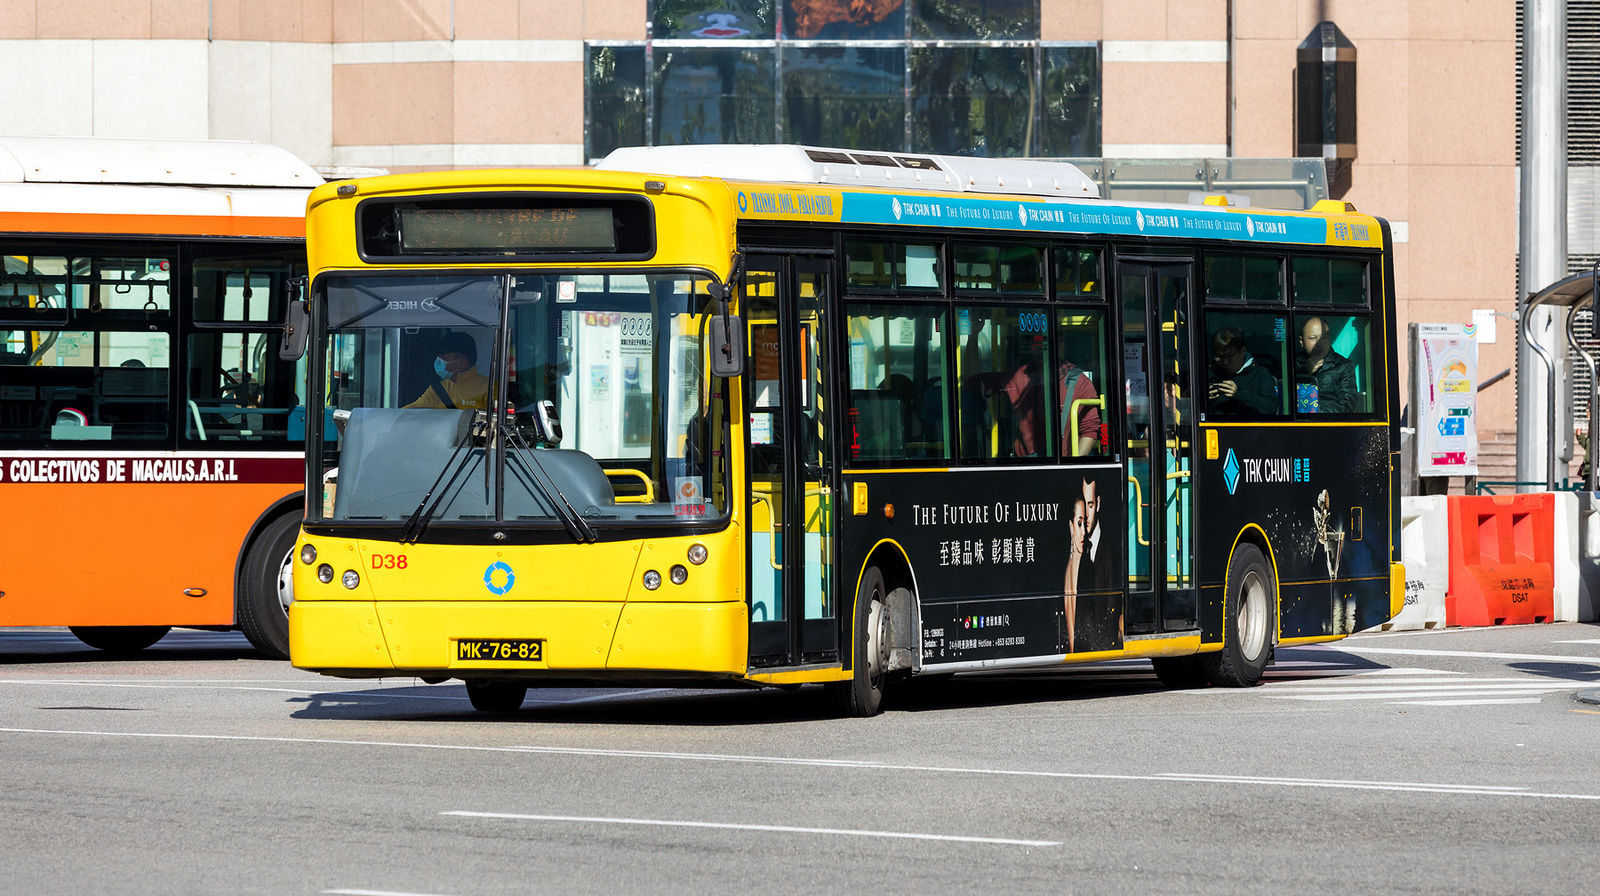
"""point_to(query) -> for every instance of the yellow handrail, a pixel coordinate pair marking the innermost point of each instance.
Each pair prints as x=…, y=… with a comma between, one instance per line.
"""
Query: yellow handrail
x=772, y=545
x=1138, y=497
x=1073, y=419
x=649, y=496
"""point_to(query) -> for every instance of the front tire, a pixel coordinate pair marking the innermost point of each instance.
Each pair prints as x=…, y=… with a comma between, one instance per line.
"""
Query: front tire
x=1250, y=622
x=266, y=588
x=862, y=695
x=120, y=640
x=496, y=696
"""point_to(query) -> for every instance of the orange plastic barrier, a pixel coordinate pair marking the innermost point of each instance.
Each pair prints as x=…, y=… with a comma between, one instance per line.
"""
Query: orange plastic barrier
x=1502, y=567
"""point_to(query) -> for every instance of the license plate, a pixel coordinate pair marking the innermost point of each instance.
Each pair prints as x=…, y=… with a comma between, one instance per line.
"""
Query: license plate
x=520, y=650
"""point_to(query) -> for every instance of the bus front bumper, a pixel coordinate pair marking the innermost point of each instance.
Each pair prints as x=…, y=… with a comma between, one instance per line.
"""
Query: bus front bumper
x=599, y=639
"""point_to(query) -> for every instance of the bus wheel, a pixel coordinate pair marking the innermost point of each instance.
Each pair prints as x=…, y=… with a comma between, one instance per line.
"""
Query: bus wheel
x=266, y=588
x=862, y=695
x=1249, y=623
x=120, y=640
x=496, y=696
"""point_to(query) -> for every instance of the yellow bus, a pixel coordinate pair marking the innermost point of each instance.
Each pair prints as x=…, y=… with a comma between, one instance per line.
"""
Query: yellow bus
x=150, y=438
x=783, y=415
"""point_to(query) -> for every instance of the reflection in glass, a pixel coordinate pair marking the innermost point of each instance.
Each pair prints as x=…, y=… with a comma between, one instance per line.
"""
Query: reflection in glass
x=712, y=19
x=1070, y=112
x=615, y=98
x=850, y=97
x=973, y=101
x=844, y=19
x=975, y=19
x=714, y=95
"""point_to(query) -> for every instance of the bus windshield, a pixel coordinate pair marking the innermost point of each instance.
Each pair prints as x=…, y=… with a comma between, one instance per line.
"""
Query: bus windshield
x=444, y=376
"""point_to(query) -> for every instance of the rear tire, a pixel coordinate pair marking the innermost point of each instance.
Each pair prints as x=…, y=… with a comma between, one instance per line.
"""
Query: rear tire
x=1249, y=622
x=266, y=588
x=496, y=696
x=862, y=695
x=120, y=640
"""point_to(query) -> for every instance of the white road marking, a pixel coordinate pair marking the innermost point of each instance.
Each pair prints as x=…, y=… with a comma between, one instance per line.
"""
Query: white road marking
x=1467, y=702
x=1472, y=789
x=374, y=893
x=774, y=828
x=1471, y=654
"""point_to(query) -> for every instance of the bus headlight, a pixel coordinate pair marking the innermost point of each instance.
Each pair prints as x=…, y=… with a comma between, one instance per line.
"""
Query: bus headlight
x=324, y=573
x=652, y=580
x=679, y=573
x=351, y=579
x=697, y=553
x=308, y=554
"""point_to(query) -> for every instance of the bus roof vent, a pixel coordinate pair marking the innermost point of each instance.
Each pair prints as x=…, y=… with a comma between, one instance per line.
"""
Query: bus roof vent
x=115, y=160
x=776, y=163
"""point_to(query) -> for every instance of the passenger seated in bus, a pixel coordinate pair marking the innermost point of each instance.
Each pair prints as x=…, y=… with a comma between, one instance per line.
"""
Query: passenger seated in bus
x=1073, y=385
x=460, y=384
x=1240, y=385
x=1325, y=381
x=1025, y=397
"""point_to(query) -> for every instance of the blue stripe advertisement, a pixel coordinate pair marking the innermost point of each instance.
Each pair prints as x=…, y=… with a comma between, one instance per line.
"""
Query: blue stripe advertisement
x=1063, y=217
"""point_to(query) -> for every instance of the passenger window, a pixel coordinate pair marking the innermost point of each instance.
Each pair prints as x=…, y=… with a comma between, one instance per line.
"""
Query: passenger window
x=1249, y=365
x=890, y=266
x=1081, y=375
x=1247, y=278
x=140, y=285
x=238, y=390
x=1323, y=281
x=898, y=384
x=1077, y=272
x=1003, y=359
x=1333, y=365
x=90, y=386
x=1008, y=270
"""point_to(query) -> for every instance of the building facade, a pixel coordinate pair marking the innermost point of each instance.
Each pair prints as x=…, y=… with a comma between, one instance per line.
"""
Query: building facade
x=416, y=84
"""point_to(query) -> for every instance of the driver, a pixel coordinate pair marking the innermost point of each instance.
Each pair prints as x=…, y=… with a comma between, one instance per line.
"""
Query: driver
x=460, y=384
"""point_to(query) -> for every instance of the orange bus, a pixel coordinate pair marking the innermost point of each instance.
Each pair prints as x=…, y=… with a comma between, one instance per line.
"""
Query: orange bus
x=150, y=438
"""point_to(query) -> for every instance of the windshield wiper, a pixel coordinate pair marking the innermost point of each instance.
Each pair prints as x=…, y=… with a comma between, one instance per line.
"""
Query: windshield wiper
x=453, y=466
x=576, y=526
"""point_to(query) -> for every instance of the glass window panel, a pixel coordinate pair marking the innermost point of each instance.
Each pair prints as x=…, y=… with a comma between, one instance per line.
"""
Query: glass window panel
x=238, y=390
x=712, y=19
x=874, y=265
x=1349, y=282
x=243, y=290
x=1249, y=356
x=1333, y=365
x=851, y=97
x=977, y=267
x=1077, y=272
x=34, y=288
x=973, y=101
x=1002, y=355
x=1224, y=278
x=1311, y=280
x=975, y=19
x=1263, y=280
x=898, y=384
x=1081, y=375
x=714, y=95
x=1070, y=113
x=1022, y=270
x=615, y=99
x=844, y=19
x=121, y=284
x=88, y=386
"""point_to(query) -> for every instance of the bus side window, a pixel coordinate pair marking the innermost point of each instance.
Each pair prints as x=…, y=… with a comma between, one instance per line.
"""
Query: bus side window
x=896, y=377
x=1080, y=406
x=1332, y=364
x=1250, y=376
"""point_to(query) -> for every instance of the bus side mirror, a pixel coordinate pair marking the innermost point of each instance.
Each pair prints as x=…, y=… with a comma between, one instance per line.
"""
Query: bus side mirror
x=296, y=329
x=726, y=334
x=547, y=423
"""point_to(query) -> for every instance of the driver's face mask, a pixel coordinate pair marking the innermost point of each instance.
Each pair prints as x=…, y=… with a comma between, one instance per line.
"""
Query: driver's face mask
x=442, y=369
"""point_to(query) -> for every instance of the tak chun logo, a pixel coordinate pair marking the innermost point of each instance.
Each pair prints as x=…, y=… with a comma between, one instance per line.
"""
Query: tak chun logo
x=1138, y=218
x=1250, y=226
x=1230, y=472
x=895, y=205
x=1022, y=214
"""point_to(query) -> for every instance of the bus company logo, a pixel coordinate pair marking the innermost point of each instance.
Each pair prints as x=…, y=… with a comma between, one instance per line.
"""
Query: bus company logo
x=744, y=202
x=894, y=205
x=1022, y=214
x=499, y=578
x=1264, y=470
x=1250, y=228
x=1138, y=219
x=430, y=305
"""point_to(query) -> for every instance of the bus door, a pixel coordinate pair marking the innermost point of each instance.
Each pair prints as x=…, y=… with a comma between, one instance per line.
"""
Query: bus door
x=1158, y=443
x=793, y=613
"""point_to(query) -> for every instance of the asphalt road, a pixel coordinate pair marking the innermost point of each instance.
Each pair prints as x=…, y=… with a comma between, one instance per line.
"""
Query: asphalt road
x=1459, y=761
